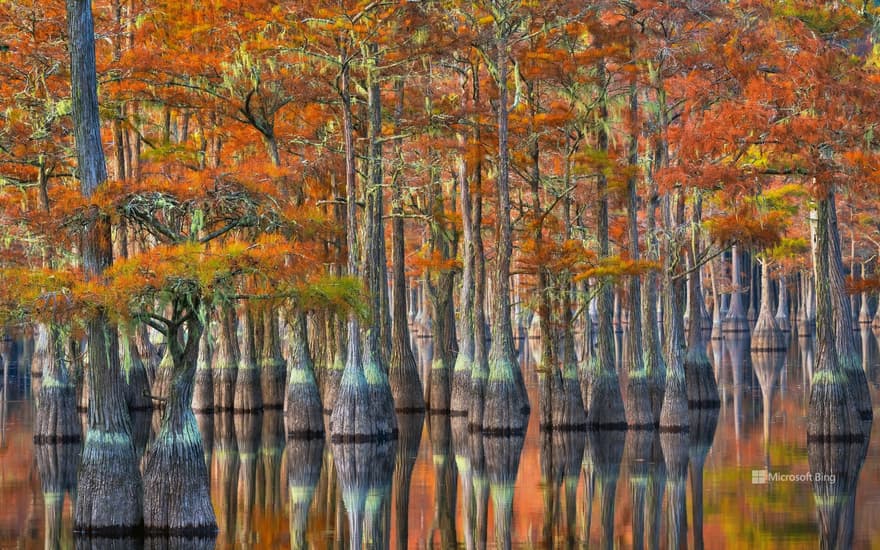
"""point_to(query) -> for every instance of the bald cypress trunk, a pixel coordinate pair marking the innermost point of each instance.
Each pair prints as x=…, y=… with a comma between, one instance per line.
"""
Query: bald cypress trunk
x=639, y=413
x=604, y=403
x=110, y=491
x=833, y=413
x=177, y=498
x=273, y=369
x=356, y=416
x=461, y=374
x=767, y=335
x=480, y=369
x=303, y=411
x=56, y=420
x=506, y=402
x=403, y=373
x=842, y=317
x=248, y=390
x=674, y=413
x=702, y=388
x=225, y=361
x=736, y=320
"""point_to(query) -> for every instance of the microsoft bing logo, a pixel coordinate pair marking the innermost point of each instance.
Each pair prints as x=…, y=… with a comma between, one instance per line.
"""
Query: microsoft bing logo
x=763, y=477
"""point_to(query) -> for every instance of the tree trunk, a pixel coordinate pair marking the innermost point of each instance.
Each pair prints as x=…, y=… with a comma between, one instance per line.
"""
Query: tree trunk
x=403, y=371
x=248, y=391
x=767, y=336
x=833, y=414
x=674, y=413
x=302, y=407
x=110, y=491
x=355, y=416
x=639, y=414
x=842, y=317
x=702, y=388
x=273, y=369
x=203, y=395
x=461, y=374
x=177, y=499
x=480, y=369
x=506, y=402
x=226, y=361
x=782, y=318
x=736, y=320
x=604, y=403
x=56, y=420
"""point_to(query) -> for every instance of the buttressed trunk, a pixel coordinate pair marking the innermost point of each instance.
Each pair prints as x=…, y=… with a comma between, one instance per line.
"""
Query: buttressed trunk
x=177, y=497
x=833, y=415
x=109, y=492
x=302, y=408
x=506, y=402
x=225, y=361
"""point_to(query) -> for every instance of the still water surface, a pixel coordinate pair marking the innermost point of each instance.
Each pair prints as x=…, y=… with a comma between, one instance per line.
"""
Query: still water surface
x=440, y=487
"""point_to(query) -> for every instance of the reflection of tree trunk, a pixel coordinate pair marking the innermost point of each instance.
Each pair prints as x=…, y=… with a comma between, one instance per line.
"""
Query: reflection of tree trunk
x=675, y=454
x=461, y=448
x=440, y=434
x=481, y=489
x=363, y=468
x=271, y=449
x=834, y=491
x=502, y=465
x=57, y=464
x=606, y=447
x=409, y=439
x=248, y=436
x=638, y=452
x=227, y=464
x=703, y=423
x=304, y=459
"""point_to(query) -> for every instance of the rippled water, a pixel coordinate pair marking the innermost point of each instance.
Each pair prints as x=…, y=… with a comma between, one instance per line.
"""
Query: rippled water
x=439, y=486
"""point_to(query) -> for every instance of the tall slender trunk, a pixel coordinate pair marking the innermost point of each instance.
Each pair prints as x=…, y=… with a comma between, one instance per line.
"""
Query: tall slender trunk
x=833, y=414
x=702, y=387
x=605, y=403
x=638, y=398
x=403, y=372
x=355, y=417
x=480, y=369
x=110, y=490
x=842, y=316
x=736, y=320
x=506, y=401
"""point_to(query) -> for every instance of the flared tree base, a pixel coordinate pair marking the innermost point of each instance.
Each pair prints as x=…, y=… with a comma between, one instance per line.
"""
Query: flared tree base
x=303, y=415
x=503, y=412
x=606, y=411
x=459, y=403
x=439, y=387
x=203, y=393
x=702, y=388
x=356, y=418
x=674, y=414
x=177, y=498
x=56, y=420
x=639, y=415
x=109, y=491
x=224, y=388
x=832, y=416
x=248, y=391
x=273, y=377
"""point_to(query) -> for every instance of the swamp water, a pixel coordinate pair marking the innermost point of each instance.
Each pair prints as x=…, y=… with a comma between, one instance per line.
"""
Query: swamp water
x=438, y=486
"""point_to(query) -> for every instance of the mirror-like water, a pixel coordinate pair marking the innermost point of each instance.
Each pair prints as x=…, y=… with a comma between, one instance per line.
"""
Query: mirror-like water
x=743, y=478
